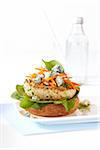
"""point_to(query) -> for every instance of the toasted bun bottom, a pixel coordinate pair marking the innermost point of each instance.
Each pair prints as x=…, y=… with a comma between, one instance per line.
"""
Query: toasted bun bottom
x=53, y=110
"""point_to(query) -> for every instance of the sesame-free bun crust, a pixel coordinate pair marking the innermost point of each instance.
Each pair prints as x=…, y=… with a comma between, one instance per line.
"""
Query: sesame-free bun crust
x=53, y=110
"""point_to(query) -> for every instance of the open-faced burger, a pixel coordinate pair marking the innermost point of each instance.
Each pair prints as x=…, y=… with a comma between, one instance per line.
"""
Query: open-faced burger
x=48, y=92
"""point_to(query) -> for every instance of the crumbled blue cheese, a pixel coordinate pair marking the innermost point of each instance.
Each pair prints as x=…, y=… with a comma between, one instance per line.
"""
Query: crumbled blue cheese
x=54, y=73
x=38, y=79
x=86, y=102
x=59, y=81
x=47, y=74
x=57, y=69
x=84, y=106
x=41, y=75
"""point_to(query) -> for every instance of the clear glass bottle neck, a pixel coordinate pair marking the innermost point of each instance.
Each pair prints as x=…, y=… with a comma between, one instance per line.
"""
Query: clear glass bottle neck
x=77, y=29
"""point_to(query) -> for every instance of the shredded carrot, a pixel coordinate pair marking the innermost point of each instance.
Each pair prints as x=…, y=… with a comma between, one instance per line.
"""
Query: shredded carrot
x=76, y=84
x=48, y=79
x=69, y=82
x=65, y=80
x=41, y=72
x=54, y=83
x=42, y=69
x=51, y=80
x=33, y=75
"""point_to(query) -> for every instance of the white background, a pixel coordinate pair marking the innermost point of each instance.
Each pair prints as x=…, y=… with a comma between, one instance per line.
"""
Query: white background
x=32, y=30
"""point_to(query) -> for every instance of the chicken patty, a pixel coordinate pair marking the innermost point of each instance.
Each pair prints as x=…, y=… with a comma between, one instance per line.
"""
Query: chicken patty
x=57, y=93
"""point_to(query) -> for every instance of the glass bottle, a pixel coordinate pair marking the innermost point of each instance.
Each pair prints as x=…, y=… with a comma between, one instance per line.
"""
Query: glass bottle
x=77, y=52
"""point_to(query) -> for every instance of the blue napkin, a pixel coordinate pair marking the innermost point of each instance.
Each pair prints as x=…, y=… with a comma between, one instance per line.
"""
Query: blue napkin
x=28, y=126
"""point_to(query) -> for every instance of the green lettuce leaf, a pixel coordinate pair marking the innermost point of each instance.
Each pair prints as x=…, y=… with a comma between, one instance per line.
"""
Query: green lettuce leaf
x=16, y=95
x=20, y=90
x=65, y=104
x=50, y=64
x=38, y=105
x=71, y=104
x=25, y=103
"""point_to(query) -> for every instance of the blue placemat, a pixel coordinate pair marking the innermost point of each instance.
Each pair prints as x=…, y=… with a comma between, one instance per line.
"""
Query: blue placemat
x=28, y=126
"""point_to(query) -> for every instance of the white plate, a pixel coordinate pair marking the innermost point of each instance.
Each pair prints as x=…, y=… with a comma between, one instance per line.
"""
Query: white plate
x=68, y=120
x=77, y=117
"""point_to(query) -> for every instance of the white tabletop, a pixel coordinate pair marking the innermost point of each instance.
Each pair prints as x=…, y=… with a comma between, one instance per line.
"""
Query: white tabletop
x=84, y=139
